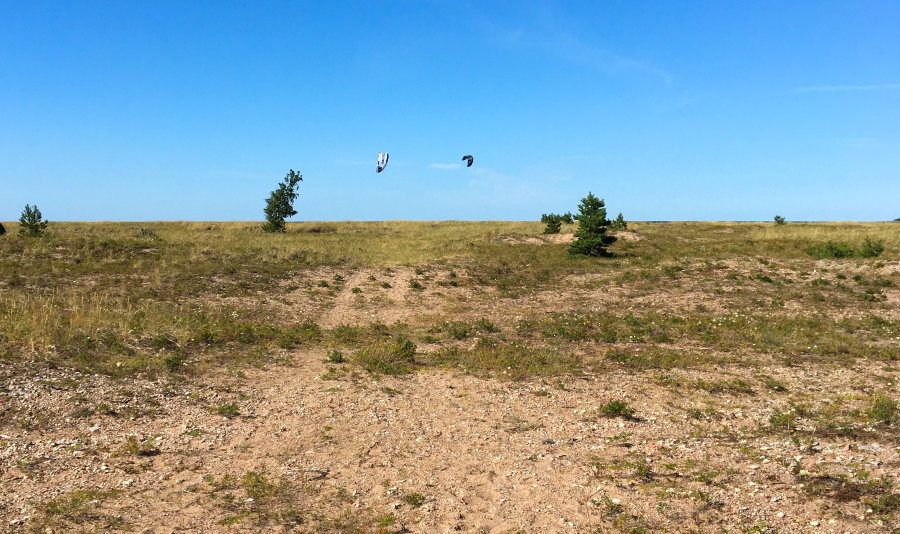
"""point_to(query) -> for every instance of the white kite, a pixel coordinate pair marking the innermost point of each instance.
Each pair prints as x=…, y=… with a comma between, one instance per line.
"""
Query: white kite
x=382, y=161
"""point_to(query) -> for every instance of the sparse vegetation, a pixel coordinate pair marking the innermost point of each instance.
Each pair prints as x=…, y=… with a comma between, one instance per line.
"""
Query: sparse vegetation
x=779, y=220
x=741, y=348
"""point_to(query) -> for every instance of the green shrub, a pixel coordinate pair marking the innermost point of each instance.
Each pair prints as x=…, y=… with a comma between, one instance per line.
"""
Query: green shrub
x=616, y=408
x=2, y=229
x=871, y=248
x=31, y=223
x=831, y=249
x=779, y=220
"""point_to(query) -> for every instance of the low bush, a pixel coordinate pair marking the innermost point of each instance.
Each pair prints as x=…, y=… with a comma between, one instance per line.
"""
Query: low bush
x=869, y=249
x=616, y=408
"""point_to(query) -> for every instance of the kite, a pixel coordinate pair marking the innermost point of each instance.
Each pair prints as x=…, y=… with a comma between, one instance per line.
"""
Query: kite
x=469, y=159
x=382, y=161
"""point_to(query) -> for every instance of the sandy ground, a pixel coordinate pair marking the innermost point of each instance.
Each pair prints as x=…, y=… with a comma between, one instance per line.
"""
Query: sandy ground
x=484, y=454
x=487, y=455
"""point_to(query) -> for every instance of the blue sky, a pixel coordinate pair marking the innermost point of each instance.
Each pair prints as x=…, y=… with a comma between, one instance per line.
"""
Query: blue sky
x=670, y=111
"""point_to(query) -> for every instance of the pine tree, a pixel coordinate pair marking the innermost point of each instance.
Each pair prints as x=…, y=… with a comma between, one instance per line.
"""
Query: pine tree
x=554, y=223
x=280, y=204
x=30, y=222
x=591, y=238
x=619, y=223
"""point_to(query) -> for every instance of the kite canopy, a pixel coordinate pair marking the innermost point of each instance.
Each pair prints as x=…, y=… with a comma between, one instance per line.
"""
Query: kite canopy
x=469, y=159
x=382, y=161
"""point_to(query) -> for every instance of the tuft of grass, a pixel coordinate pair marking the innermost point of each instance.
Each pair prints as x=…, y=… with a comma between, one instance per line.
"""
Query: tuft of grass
x=507, y=360
x=657, y=358
x=783, y=420
x=226, y=409
x=390, y=357
x=414, y=499
x=76, y=509
x=616, y=408
x=146, y=447
x=884, y=409
x=725, y=386
x=174, y=362
x=775, y=385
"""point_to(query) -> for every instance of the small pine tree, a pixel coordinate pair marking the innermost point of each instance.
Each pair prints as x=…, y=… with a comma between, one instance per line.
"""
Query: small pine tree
x=567, y=217
x=591, y=238
x=779, y=220
x=31, y=223
x=554, y=223
x=2, y=229
x=619, y=223
x=280, y=204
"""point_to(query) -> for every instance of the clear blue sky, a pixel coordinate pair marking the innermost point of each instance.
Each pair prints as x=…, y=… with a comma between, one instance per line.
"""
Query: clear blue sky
x=713, y=110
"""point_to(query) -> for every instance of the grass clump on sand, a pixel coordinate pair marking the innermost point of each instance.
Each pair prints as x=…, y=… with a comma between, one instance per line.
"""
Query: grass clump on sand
x=388, y=357
x=507, y=360
x=616, y=408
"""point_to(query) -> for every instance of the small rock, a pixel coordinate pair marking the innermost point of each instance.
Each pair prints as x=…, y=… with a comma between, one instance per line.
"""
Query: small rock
x=779, y=515
x=814, y=523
